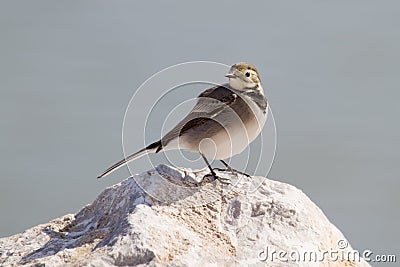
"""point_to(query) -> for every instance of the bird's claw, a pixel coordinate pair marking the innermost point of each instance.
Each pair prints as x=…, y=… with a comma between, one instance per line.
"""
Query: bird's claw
x=222, y=180
x=232, y=171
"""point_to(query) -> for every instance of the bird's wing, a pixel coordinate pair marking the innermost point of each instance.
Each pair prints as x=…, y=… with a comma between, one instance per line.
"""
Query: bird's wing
x=210, y=103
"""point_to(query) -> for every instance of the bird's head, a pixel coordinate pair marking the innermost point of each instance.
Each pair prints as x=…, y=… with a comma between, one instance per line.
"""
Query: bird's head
x=244, y=76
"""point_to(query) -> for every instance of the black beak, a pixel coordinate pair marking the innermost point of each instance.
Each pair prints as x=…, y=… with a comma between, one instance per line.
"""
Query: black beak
x=230, y=75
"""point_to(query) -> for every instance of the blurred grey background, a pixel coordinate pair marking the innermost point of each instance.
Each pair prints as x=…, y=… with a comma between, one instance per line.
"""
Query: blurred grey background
x=330, y=70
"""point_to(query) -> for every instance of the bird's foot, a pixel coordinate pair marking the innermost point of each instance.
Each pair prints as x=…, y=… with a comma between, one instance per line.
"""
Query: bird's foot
x=234, y=171
x=214, y=176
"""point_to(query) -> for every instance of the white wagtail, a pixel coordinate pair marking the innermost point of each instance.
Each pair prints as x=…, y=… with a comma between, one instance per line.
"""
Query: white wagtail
x=224, y=121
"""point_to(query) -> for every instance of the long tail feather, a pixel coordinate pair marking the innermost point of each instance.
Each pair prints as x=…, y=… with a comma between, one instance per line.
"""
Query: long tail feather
x=153, y=148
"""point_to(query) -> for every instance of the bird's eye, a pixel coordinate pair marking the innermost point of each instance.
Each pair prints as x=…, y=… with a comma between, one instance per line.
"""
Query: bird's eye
x=247, y=74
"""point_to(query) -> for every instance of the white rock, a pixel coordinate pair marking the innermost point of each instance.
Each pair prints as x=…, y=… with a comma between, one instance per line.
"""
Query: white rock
x=164, y=217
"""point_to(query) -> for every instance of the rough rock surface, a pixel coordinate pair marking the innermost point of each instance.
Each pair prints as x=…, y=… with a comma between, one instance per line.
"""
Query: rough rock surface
x=165, y=218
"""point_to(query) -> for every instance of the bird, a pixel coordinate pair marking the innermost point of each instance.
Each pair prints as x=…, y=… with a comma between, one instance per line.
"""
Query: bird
x=224, y=121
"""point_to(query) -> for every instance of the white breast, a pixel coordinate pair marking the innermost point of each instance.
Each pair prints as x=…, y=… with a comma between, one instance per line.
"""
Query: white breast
x=237, y=136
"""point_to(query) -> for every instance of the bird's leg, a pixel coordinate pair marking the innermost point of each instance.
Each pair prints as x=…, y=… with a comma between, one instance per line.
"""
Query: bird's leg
x=232, y=170
x=213, y=174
